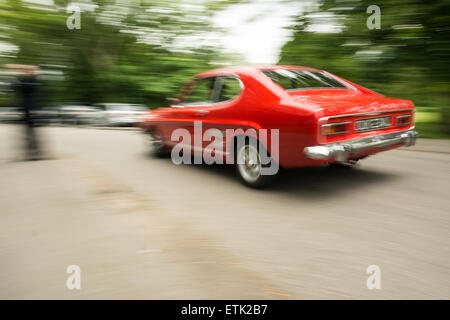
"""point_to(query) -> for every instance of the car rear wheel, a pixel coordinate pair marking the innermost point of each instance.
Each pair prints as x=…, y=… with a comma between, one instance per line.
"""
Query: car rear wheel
x=249, y=166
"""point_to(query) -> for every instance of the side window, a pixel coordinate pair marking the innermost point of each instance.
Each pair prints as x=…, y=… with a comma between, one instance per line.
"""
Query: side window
x=201, y=92
x=230, y=88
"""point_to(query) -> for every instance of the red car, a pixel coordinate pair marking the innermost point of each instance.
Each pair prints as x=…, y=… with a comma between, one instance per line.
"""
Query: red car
x=280, y=115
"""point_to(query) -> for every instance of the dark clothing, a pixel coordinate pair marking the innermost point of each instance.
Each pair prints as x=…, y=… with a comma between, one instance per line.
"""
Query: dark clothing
x=26, y=88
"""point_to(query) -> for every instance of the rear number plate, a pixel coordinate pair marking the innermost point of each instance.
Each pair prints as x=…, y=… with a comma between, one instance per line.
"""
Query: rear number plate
x=373, y=123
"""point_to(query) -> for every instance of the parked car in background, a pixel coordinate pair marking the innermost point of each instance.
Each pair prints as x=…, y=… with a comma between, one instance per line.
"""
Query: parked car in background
x=45, y=116
x=10, y=115
x=120, y=114
x=80, y=114
x=320, y=118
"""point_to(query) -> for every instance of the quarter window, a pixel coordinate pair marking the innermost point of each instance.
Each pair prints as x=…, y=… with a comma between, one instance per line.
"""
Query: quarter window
x=229, y=88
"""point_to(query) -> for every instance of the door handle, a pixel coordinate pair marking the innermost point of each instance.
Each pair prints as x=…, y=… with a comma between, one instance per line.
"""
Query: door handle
x=202, y=112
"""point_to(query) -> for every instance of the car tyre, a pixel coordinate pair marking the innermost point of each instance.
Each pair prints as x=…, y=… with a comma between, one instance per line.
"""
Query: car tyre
x=157, y=146
x=248, y=165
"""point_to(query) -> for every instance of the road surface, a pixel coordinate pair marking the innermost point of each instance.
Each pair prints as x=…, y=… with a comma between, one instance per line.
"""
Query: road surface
x=144, y=228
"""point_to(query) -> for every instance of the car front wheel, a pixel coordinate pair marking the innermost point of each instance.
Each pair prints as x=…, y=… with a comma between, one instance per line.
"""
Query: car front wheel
x=157, y=145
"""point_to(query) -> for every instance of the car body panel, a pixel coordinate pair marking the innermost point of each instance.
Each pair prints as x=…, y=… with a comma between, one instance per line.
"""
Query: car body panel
x=297, y=114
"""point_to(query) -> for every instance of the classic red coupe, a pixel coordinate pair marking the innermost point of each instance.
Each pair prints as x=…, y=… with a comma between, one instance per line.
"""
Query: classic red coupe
x=262, y=117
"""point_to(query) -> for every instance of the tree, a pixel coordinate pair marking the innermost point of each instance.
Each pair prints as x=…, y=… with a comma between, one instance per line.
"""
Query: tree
x=129, y=51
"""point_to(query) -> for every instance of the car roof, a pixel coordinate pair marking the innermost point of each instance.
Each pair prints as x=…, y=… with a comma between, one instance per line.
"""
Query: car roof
x=249, y=70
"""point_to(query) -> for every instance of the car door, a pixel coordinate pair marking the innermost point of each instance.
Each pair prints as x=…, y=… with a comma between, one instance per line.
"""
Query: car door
x=194, y=99
x=217, y=117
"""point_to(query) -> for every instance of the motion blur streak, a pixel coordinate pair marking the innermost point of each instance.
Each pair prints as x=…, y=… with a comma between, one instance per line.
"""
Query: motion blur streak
x=140, y=227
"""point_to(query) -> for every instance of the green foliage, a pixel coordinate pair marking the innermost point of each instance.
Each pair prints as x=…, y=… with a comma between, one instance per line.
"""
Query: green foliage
x=121, y=53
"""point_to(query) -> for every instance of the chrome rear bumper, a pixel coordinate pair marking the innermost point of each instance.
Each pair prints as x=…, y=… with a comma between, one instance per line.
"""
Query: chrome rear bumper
x=341, y=151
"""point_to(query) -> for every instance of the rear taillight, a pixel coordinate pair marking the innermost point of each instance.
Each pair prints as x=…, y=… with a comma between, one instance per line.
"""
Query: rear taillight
x=331, y=129
x=404, y=120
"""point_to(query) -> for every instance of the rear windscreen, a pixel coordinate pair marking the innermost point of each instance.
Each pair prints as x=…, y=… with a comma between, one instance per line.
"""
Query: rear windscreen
x=302, y=79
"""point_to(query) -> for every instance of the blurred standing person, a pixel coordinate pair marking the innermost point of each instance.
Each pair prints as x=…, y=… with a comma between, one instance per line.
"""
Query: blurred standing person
x=26, y=87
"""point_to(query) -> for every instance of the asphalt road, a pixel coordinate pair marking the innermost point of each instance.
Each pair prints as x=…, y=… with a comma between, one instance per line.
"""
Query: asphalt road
x=140, y=227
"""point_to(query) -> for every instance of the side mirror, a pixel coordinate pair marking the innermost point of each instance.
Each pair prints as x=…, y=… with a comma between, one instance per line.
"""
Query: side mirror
x=173, y=101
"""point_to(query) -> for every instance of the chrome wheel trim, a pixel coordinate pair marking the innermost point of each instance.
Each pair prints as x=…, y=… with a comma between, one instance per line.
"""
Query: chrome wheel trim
x=249, y=163
x=156, y=143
